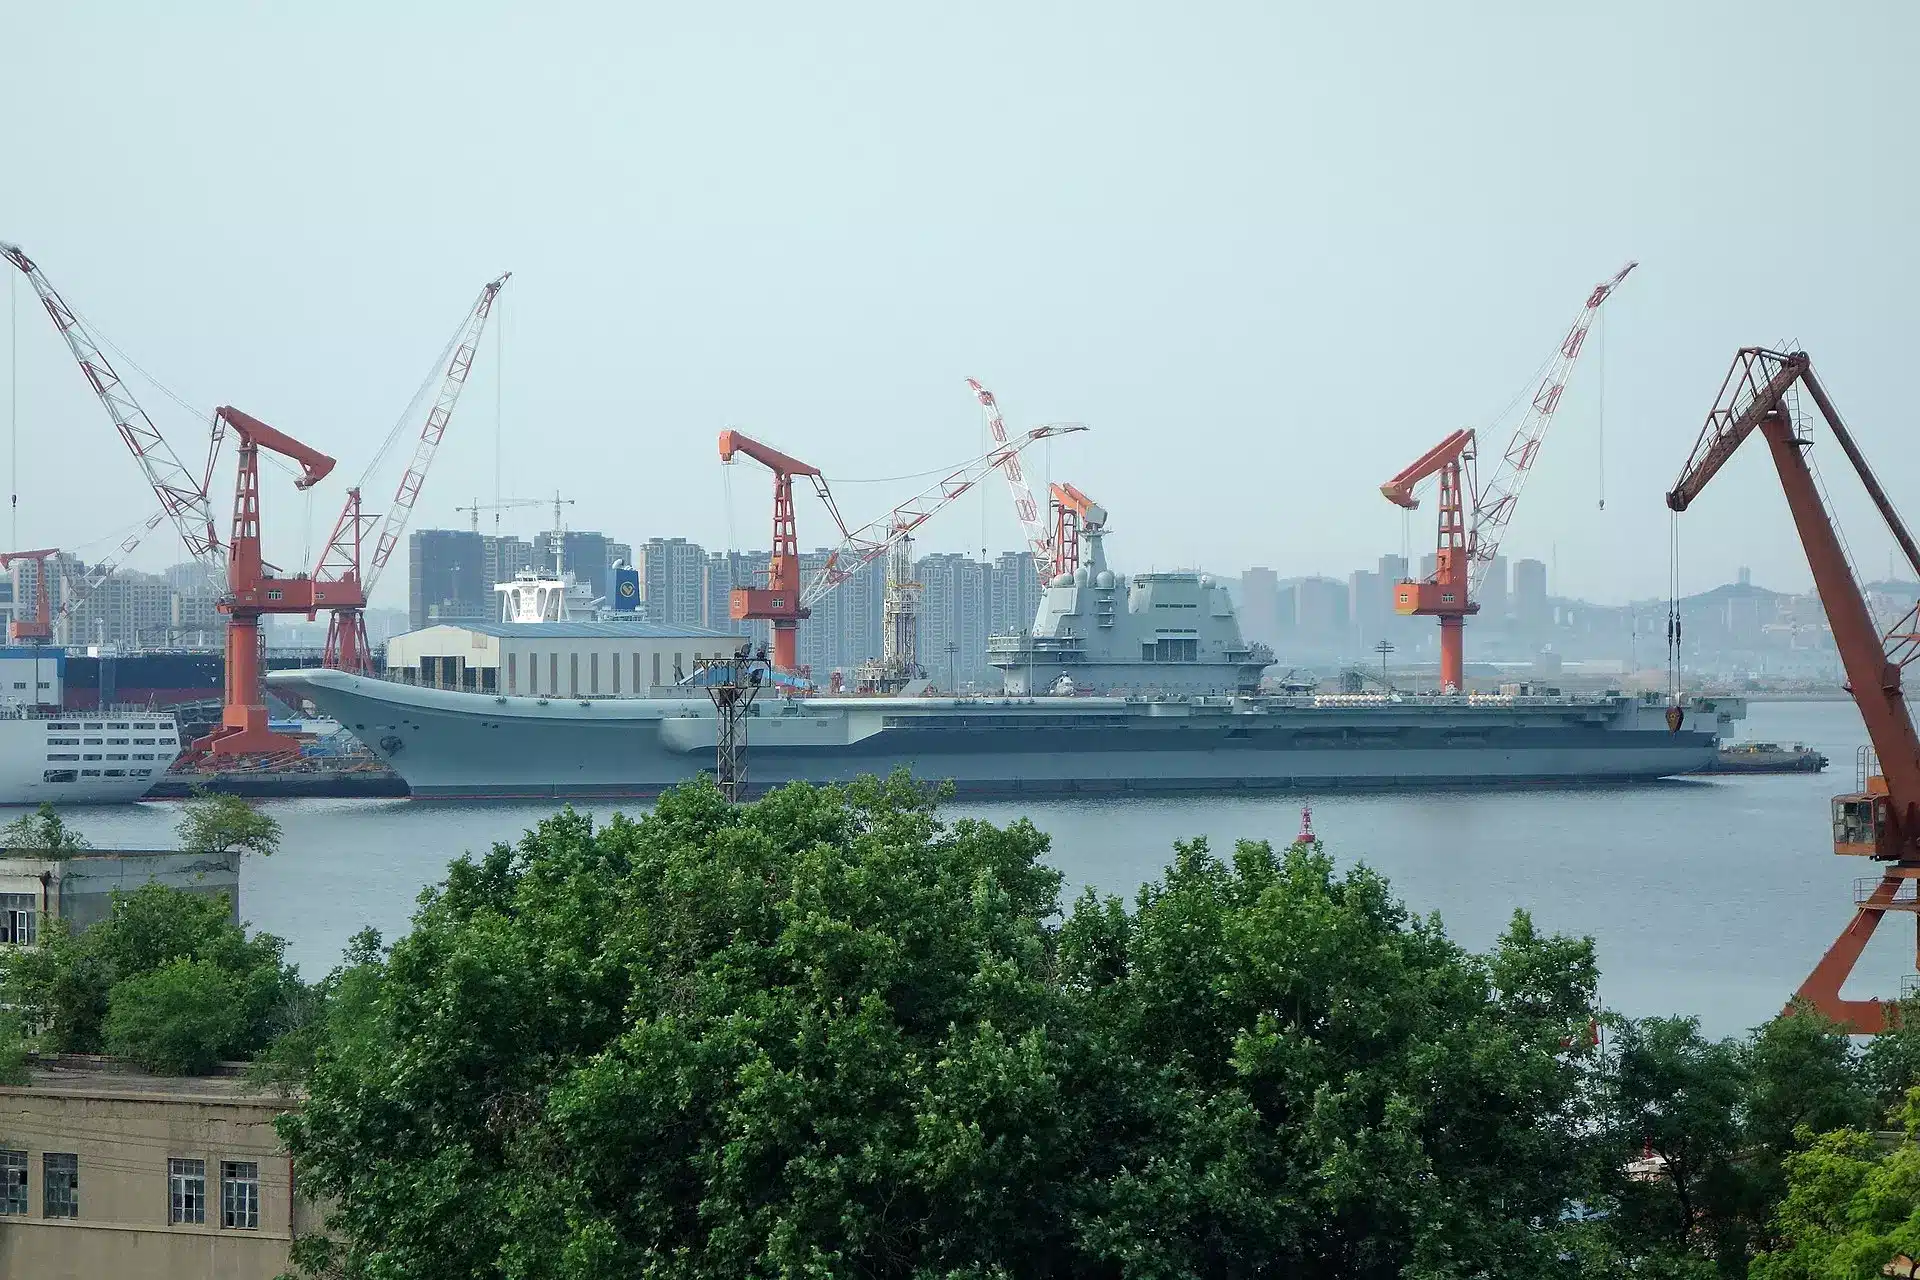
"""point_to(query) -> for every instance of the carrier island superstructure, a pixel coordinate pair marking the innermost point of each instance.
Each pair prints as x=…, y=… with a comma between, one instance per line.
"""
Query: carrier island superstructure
x=1122, y=684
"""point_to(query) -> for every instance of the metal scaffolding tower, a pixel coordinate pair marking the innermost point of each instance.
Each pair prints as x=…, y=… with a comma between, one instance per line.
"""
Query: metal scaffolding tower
x=732, y=684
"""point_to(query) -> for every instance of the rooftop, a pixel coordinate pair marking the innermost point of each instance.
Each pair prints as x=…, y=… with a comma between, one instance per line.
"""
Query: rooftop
x=590, y=631
x=89, y=1075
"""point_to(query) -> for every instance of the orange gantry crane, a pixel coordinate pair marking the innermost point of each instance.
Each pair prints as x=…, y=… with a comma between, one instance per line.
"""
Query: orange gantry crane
x=39, y=628
x=1881, y=821
x=254, y=589
x=350, y=579
x=1473, y=519
x=784, y=599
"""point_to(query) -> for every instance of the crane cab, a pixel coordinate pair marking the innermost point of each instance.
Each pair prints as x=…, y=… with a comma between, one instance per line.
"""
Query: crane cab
x=1862, y=825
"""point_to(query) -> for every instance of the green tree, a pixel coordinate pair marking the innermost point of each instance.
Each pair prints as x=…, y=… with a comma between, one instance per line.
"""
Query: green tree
x=831, y=1034
x=179, y=1019
x=215, y=824
x=1852, y=1206
x=43, y=831
x=64, y=985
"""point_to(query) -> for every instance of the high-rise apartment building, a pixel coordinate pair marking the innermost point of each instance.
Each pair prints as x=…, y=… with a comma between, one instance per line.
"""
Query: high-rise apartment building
x=1015, y=585
x=673, y=581
x=1323, y=612
x=1530, y=592
x=726, y=570
x=447, y=577
x=1393, y=570
x=1370, y=604
x=1260, y=605
x=952, y=640
x=1492, y=597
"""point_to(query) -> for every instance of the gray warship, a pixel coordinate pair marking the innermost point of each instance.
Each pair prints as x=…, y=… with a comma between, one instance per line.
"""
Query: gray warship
x=1122, y=685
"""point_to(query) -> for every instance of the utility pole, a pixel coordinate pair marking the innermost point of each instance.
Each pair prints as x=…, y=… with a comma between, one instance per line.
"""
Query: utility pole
x=953, y=648
x=732, y=684
x=1384, y=648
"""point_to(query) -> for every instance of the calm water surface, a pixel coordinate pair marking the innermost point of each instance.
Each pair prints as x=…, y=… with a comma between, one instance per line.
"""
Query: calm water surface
x=1712, y=896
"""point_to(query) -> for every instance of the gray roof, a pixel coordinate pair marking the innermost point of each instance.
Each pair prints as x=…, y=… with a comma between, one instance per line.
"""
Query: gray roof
x=592, y=631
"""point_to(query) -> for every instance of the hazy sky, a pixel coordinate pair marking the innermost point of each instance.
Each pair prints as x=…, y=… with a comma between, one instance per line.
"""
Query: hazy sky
x=1269, y=252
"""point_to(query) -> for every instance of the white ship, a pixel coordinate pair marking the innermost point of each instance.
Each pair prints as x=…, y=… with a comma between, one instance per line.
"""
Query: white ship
x=64, y=757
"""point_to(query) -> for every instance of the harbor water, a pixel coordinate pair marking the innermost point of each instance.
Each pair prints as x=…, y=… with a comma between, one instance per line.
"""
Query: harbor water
x=1708, y=896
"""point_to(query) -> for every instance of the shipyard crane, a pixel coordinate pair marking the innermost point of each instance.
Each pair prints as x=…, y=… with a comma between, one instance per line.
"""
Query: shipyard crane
x=784, y=600
x=1075, y=515
x=254, y=589
x=1473, y=519
x=1882, y=820
x=1045, y=551
x=183, y=497
x=341, y=563
x=39, y=628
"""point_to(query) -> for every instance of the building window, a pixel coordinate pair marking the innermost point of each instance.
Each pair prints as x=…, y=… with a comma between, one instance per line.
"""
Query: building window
x=186, y=1190
x=13, y=1182
x=513, y=673
x=61, y=755
x=656, y=668
x=19, y=684
x=118, y=724
x=168, y=742
x=636, y=673
x=59, y=1185
x=143, y=742
x=593, y=673
x=573, y=675
x=677, y=675
x=60, y=775
x=19, y=921
x=240, y=1195
x=553, y=673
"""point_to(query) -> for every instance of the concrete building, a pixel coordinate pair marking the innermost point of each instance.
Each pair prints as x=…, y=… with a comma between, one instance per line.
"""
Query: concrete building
x=1323, y=612
x=1370, y=605
x=953, y=612
x=1493, y=599
x=106, y=1171
x=447, y=577
x=1530, y=592
x=1260, y=605
x=506, y=555
x=1015, y=587
x=585, y=554
x=726, y=570
x=845, y=629
x=553, y=659
x=673, y=581
x=79, y=887
x=1393, y=569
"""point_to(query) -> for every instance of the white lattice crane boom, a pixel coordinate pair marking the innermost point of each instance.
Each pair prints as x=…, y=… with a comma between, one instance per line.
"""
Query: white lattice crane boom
x=1494, y=504
x=183, y=496
x=394, y=525
x=1039, y=539
x=861, y=547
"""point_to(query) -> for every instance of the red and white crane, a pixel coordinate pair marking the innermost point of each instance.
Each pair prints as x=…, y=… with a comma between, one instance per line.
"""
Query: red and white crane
x=784, y=600
x=341, y=562
x=183, y=495
x=1045, y=553
x=1473, y=519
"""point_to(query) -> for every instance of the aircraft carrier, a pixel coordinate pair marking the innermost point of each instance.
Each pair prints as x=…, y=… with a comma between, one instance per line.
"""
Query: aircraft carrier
x=1140, y=684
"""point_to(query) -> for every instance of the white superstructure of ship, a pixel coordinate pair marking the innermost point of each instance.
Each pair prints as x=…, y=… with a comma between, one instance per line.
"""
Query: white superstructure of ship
x=94, y=757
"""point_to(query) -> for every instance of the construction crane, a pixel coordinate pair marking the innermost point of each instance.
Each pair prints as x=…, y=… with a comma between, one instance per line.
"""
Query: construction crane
x=1074, y=516
x=1473, y=519
x=38, y=629
x=511, y=504
x=341, y=563
x=1881, y=820
x=253, y=589
x=785, y=600
x=183, y=497
x=1045, y=554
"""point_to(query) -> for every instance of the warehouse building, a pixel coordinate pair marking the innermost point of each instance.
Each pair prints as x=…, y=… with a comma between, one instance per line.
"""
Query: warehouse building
x=624, y=659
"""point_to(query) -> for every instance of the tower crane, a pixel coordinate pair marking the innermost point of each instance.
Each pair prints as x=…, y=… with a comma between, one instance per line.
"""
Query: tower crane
x=1473, y=519
x=1882, y=820
x=511, y=504
x=183, y=497
x=254, y=589
x=785, y=599
x=340, y=563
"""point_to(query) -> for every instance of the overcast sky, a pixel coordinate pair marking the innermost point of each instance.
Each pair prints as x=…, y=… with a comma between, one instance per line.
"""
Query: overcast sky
x=1268, y=252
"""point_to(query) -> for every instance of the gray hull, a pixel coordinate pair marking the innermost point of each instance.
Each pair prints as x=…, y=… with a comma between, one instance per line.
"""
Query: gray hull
x=447, y=743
